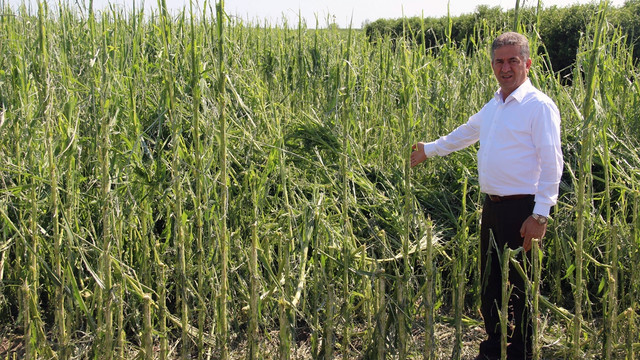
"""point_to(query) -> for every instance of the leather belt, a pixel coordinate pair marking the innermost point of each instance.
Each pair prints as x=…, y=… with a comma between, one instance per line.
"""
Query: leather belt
x=497, y=198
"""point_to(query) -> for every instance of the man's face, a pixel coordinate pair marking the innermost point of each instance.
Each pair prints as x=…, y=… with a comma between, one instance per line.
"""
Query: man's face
x=510, y=68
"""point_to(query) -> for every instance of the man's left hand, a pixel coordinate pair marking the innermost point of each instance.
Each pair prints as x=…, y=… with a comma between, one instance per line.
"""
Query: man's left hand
x=531, y=229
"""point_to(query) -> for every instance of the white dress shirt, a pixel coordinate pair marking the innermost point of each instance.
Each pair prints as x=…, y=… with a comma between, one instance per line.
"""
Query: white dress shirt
x=519, y=146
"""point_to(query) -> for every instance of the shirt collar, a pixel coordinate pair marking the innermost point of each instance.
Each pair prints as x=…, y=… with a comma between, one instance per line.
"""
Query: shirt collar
x=518, y=94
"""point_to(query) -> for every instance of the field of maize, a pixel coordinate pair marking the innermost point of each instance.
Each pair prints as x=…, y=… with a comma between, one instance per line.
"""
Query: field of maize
x=189, y=185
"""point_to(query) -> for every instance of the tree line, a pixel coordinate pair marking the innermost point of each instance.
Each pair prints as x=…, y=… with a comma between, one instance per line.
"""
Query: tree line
x=559, y=28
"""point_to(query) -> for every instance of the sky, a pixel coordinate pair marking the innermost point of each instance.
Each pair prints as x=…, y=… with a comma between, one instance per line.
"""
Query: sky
x=342, y=12
x=359, y=11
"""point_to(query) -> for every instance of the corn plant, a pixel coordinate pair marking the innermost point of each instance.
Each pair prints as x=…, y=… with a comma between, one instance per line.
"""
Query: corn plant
x=191, y=184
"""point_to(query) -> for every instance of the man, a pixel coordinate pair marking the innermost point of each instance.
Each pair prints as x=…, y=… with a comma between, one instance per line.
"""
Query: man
x=519, y=165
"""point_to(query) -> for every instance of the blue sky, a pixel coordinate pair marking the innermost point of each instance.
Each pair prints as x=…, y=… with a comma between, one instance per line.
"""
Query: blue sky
x=340, y=11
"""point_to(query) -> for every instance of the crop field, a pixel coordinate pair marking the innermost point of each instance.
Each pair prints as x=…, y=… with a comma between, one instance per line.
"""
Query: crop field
x=187, y=185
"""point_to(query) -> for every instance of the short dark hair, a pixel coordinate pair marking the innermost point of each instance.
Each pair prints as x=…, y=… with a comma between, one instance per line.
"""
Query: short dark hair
x=511, y=38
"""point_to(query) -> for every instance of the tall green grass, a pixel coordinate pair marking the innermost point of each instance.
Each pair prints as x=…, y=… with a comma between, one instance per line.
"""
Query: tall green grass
x=190, y=185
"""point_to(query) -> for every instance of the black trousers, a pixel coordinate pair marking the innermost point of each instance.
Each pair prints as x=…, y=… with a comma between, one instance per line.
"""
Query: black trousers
x=501, y=222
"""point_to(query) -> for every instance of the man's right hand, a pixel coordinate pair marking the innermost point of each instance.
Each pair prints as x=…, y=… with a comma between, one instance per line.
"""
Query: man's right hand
x=417, y=155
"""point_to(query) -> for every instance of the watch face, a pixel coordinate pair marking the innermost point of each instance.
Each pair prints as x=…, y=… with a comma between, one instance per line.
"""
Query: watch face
x=540, y=219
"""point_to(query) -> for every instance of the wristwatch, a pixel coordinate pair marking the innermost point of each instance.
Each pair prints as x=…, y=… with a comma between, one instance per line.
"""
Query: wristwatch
x=539, y=218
